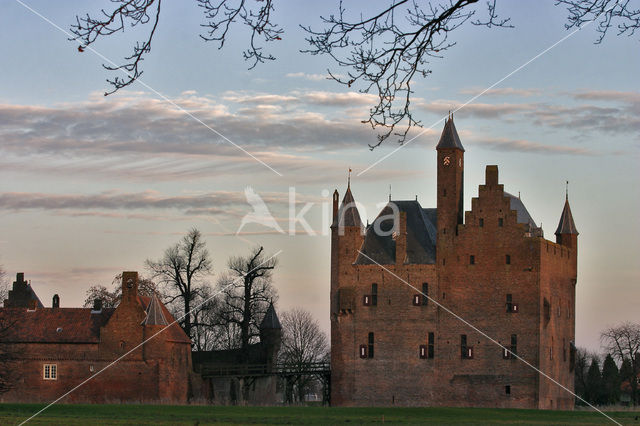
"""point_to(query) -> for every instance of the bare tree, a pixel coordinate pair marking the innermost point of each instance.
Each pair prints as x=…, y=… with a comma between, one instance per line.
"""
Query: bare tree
x=303, y=343
x=382, y=48
x=621, y=14
x=181, y=272
x=4, y=285
x=111, y=298
x=623, y=342
x=246, y=292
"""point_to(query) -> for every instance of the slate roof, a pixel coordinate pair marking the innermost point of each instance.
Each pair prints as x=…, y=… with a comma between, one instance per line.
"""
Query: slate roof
x=566, y=225
x=270, y=319
x=348, y=212
x=71, y=325
x=449, y=137
x=155, y=316
x=523, y=215
x=174, y=333
x=380, y=247
x=53, y=325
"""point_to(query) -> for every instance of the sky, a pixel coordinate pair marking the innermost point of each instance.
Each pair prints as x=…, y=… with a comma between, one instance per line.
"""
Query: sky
x=91, y=186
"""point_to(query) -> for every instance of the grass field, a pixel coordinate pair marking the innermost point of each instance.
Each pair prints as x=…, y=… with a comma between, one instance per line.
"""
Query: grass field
x=197, y=414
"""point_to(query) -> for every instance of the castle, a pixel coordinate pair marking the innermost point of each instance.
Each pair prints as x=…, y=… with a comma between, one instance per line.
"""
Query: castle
x=415, y=294
x=52, y=350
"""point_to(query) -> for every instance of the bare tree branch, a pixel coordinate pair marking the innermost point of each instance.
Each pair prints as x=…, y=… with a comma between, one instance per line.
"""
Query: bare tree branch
x=388, y=49
x=623, y=14
x=181, y=272
x=255, y=15
x=129, y=13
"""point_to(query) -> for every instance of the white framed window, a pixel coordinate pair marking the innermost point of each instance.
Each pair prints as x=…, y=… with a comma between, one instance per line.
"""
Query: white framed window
x=50, y=372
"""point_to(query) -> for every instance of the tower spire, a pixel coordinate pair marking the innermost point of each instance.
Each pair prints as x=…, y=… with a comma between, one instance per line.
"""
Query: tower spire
x=349, y=179
x=566, y=192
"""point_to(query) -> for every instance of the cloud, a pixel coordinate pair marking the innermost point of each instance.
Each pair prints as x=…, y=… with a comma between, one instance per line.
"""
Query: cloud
x=608, y=95
x=612, y=112
x=501, y=91
x=311, y=77
x=522, y=145
x=475, y=110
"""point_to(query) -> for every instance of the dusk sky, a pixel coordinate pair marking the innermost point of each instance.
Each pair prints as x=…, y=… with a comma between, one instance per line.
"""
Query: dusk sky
x=91, y=186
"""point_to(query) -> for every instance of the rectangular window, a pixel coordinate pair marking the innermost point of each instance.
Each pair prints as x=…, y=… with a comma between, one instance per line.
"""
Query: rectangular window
x=472, y=260
x=463, y=345
x=50, y=372
x=374, y=294
x=425, y=293
x=500, y=221
x=363, y=351
x=423, y=351
x=431, y=347
x=547, y=309
x=514, y=344
x=507, y=390
x=481, y=222
x=507, y=259
x=370, y=351
x=416, y=300
x=509, y=302
x=366, y=300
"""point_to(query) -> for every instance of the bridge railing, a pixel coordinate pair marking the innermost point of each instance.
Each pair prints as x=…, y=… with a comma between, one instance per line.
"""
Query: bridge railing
x=212, y=370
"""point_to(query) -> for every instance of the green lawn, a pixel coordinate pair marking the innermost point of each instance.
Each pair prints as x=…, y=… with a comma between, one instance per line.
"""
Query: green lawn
x=190, y=415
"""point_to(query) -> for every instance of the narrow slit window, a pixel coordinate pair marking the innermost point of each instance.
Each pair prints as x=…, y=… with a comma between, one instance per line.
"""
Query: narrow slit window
x=431, y=346
x=425, y=293
x=472, y=260
x=481, y=222
x=370, y=348
x=500, y=221
x=514, y=345
x=507, y=259
x=374, y=294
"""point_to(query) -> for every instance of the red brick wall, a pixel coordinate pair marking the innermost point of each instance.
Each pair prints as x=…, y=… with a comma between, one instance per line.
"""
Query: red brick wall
x=477, y=293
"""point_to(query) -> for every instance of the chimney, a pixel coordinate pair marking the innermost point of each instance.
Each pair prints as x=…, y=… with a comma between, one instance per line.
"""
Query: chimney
x=335, y=207
x=20, y=277
x=56, y=301
x=129, y=286
x=491, y=176
x=401, y=238
x=97, y=306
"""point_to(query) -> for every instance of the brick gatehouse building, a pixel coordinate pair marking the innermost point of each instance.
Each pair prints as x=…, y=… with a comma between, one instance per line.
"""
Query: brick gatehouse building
x=491, y=266
x=55, y=349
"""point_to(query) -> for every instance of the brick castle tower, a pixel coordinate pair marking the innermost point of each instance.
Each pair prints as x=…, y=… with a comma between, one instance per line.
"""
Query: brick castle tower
x=490, y=266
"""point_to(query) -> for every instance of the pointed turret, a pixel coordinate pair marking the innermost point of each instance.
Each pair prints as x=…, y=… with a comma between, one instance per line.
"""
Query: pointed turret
x=566, y=233
x=155, y=316
x=348, y=214
x=566, y=225
x=449, y=137
x=270, y=336
x=270, y=320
